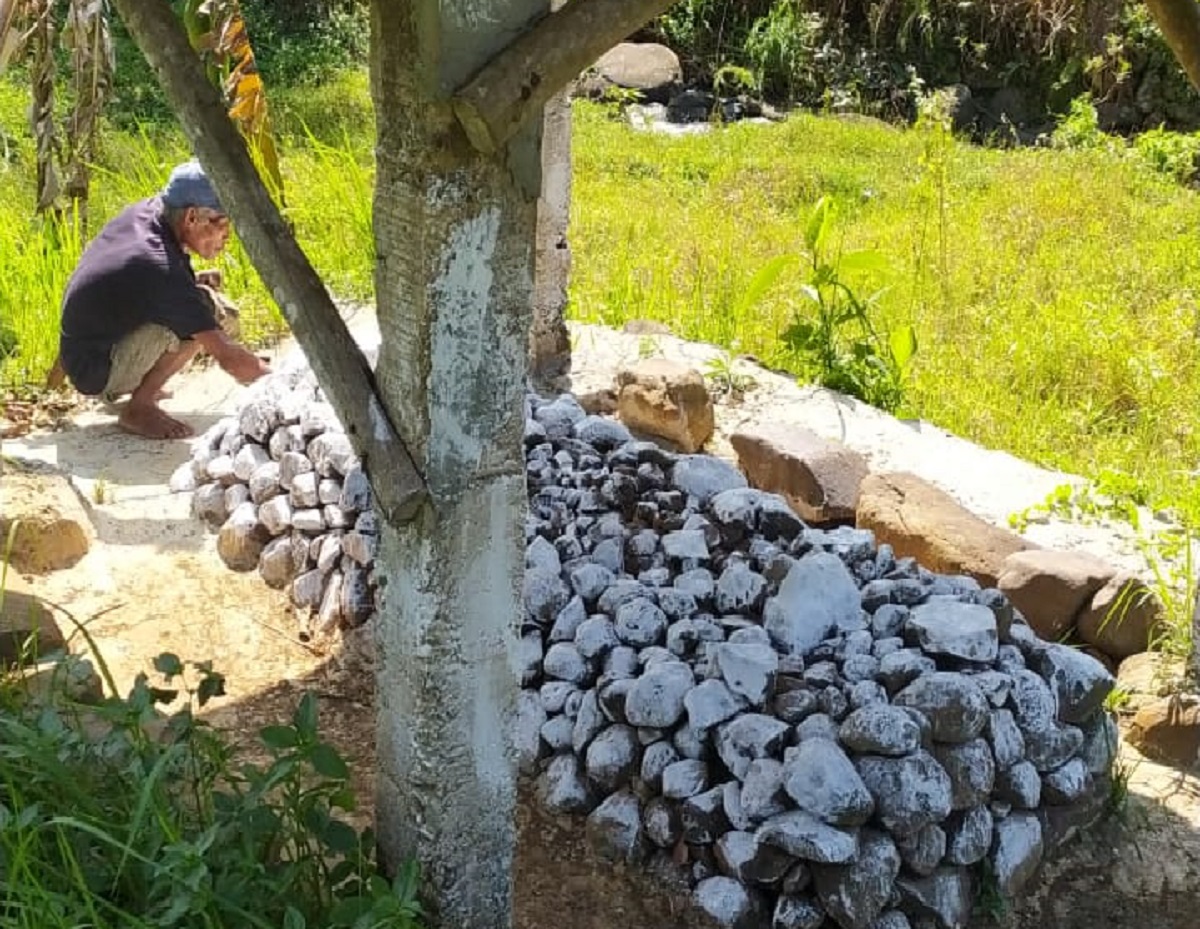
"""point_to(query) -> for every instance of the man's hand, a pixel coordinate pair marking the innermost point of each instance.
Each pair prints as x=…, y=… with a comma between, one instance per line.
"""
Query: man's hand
x=244, y=366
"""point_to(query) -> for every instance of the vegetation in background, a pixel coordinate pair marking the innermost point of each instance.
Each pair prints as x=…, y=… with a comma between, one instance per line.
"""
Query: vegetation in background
x=1053, y=291
x=876, y=57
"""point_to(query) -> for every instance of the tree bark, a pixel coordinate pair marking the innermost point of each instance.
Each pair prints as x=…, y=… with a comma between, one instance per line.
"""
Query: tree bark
x=514, y=86
x=454, y=234
x=1179, y=21
x=340, y=366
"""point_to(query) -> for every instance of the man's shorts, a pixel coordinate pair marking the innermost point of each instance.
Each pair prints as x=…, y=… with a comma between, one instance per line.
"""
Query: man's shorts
x=135, y=355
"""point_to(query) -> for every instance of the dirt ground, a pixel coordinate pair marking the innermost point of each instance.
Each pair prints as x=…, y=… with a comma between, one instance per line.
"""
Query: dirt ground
x=152, y=582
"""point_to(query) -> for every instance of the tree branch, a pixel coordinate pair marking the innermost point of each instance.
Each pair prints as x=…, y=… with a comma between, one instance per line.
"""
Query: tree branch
x=1179, y=21
x=340, y=365
x=515, y=85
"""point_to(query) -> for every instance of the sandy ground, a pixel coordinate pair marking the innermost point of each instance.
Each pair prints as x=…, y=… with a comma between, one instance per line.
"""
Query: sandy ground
x=152, y=582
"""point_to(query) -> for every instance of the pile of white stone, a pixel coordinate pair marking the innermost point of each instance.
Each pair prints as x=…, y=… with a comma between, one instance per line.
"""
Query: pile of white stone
x=816, y=731
x=283, y=487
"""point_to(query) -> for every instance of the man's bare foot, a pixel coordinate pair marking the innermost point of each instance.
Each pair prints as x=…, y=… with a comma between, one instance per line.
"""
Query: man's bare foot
x=149, y=421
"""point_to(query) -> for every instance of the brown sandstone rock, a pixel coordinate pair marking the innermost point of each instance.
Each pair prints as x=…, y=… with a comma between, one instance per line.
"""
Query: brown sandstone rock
x=919, y=520
x=52, y=525
x=1168, y=729
x=27, y=628
x=1051, y=587
x=1122, y=617
x=666, y=399
x=1146, y=676
x=241, y=539
x=820, y=478
x=602, y=400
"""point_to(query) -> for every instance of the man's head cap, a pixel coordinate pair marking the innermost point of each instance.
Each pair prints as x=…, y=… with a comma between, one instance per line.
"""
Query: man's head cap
x=187, y=186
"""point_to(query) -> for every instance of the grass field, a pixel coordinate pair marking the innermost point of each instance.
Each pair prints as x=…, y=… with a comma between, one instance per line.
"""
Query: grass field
x=1053, y=293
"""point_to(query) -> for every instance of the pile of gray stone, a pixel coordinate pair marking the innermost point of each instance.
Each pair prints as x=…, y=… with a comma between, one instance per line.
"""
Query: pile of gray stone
x=811, y=730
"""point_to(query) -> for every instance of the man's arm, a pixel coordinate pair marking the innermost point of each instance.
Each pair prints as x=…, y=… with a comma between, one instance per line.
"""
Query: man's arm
x=244, y=366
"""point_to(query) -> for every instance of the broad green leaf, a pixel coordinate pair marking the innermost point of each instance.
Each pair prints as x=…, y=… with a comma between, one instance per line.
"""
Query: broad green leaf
x=168, y=664
x=343, y=800
x=762, y=281
x=339, y=837
x=212, y=685
x=864, y=260
x=903, y=342
x=305, y=717
x=810, y=292
x=293, y=919
x=348, y=910
x=327, y=762
x=818, y=225
x=279, y=737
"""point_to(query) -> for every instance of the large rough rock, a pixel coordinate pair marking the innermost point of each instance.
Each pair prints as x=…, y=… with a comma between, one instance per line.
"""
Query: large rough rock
x=1169, y=730
x=27, y=628
x=648, y=67
x=666, y=399
x=1144, y=677
x=919, y=520
x=53, y=530
x=818, y=478
x=1050, y=587
x=1122, y=617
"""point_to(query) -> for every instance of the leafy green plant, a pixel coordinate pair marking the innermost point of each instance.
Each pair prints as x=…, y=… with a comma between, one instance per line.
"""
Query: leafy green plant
x=1080, y=128
x=781, y=48
x=119, y=815
x=724, y=378
x=731, y=80
x=1175, y=154
x=838, y=343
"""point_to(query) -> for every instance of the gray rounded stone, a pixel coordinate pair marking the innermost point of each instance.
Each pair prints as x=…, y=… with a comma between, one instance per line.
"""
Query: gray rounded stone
x=639, y=623
x=613, y=758
x=879, y=729
x=822, y=780
x=747, y=737
x=909, y=792
x=684, y=778
x=955, y=706
x=711, y=702
x=804, y=836
x=656, y=699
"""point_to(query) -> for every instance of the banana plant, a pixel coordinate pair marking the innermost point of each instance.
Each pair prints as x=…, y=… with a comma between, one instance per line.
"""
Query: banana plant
x=87, y=38
x=29, y=27
x=218, y=32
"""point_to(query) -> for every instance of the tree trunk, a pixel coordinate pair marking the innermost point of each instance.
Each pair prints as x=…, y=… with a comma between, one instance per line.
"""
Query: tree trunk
x=454, y=233
x=1179, y=21
x=339, y=364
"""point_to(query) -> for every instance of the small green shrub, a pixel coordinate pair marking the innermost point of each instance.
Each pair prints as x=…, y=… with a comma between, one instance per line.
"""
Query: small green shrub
x=104, y=825
x=837, y=344
x=1080, y=128
x=781, y=48
x=1174, y=154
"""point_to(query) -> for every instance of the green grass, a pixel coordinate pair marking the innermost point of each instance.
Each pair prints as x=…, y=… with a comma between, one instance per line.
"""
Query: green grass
x=1054, y=300
x=327, y=139
x=1062, y=325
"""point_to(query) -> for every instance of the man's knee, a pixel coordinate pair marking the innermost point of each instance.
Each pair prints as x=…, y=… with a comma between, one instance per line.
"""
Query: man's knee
x=137, y=353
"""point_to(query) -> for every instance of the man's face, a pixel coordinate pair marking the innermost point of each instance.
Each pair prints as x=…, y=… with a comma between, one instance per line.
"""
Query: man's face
x=204, y=231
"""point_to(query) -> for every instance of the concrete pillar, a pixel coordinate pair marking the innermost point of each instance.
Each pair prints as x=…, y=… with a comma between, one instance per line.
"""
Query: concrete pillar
x=549, y=345
x=454, y=238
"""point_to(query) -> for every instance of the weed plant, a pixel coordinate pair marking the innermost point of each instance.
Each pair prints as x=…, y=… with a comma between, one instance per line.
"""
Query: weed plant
x=119, y=816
